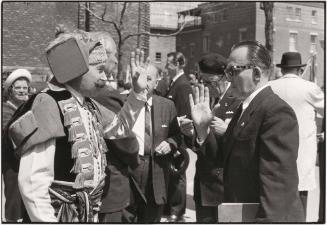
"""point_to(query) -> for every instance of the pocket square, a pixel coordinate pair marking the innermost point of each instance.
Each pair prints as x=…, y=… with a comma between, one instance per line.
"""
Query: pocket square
x=229, y=112
x=164, y=125
x=169, y=96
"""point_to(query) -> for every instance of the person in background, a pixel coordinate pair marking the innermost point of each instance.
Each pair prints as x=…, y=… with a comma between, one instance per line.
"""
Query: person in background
x=306, y=99
x=208, y=179
x=193, y=78
x=178, y=92
x=108, y=96
x=162, y=88
x=158, y=135
x=16, y=88
x=261, y=142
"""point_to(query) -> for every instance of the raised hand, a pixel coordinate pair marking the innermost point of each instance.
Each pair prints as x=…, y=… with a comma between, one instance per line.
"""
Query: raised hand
x=200, y=110
x=138, y=71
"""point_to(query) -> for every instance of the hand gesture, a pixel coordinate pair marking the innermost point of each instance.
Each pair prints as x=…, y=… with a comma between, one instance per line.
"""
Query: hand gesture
x=138, y=71
x=186, y=126
x=163, y=148
x=218, y=126
x=200, y=110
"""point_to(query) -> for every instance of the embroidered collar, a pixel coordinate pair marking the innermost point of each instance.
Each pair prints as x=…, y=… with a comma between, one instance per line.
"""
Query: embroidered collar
x=75, y=94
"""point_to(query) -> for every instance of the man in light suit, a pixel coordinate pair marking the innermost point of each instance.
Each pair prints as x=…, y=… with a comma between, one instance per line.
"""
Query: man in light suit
x=306, y=98
x=157, y=143
x=261, y=141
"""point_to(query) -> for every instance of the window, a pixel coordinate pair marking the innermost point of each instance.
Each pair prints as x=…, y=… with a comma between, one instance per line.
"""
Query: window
x=289, y=12
x=298, y=14
x=206, y=44
x=224, y=17
x=293, y=41
x=313, y=40
x=158, y=56
x=314, y=16
x=243, y=34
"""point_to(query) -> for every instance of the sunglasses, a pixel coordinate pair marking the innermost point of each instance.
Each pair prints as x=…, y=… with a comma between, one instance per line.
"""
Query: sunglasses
x=230, y=71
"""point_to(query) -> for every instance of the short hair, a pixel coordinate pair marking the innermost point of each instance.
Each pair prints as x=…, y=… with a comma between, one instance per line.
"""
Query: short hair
x=178, y=57
x=258, y=55
x=212, y=63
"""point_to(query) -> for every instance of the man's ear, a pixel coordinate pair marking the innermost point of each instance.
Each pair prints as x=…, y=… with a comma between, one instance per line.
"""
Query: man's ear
x=256, y=74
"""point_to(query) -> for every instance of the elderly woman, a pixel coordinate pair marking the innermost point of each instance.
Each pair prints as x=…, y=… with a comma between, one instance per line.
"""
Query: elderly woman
x=16, y=91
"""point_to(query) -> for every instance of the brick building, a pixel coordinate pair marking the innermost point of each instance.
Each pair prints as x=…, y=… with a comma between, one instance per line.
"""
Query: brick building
x=27, y=28
x=164, y=20
x=298, y=26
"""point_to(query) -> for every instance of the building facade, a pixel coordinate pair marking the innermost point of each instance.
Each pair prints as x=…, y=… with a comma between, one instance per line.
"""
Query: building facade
x=164, y=20
x=298, y=26
x=27, y=28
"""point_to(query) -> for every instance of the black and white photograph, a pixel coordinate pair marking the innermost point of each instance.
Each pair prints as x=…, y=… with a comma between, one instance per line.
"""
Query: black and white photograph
x=163, y=112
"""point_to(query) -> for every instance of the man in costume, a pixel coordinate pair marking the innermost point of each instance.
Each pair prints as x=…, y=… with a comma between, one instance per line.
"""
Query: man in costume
x=59, y=133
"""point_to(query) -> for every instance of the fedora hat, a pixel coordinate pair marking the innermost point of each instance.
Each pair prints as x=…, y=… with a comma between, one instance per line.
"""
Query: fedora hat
x=19, y=73
x=291, y=60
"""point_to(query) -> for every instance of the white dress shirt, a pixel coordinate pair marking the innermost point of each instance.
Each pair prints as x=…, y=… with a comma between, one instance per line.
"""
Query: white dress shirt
x=249, y=99
x=139, y=127
x=181, y=72
x=36, y=171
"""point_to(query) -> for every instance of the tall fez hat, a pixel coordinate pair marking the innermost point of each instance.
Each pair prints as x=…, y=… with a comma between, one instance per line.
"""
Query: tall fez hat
x=291, y=60
x=213, y=63
x=67, y=58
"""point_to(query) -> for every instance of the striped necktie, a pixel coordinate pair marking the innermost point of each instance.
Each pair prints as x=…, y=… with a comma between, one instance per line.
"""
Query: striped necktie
x=147, y=130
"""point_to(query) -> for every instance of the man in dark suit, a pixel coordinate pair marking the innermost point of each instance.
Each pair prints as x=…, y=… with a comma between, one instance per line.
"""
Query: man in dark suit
x=261, y=141
x=178, y=92
x=158, y=135
x=208, y=180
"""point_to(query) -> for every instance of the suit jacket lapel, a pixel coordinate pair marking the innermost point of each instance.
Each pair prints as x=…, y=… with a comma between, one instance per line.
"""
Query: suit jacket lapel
x=156, y=106
x=235, y=128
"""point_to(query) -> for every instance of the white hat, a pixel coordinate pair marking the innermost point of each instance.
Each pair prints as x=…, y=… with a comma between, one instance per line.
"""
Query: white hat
x=14, y=76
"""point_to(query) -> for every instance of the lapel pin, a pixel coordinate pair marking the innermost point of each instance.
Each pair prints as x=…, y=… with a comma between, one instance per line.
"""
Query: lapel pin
x=242, y=124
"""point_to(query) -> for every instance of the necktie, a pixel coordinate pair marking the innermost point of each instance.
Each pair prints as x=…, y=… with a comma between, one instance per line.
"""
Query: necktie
x=147, y=130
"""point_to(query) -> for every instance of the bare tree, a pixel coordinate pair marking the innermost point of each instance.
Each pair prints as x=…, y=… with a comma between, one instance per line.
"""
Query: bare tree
x=268, y=8
x=122, y=33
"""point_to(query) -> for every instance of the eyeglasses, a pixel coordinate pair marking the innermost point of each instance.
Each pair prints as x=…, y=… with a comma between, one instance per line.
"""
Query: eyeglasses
x=230, y=71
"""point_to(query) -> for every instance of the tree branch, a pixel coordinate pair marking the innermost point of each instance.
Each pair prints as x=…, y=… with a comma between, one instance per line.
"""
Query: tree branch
x=122, y=13
x=102, y=17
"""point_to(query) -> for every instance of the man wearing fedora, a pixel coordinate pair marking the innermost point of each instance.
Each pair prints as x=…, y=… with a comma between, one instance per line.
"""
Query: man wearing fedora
x=16, y=91
x=306, y=99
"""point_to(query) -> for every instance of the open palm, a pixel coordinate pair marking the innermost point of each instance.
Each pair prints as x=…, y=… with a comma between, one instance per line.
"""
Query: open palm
x=138, y=71
x=200, y=110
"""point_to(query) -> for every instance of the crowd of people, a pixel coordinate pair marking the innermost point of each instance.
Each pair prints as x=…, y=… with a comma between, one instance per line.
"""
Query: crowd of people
x=85, y=150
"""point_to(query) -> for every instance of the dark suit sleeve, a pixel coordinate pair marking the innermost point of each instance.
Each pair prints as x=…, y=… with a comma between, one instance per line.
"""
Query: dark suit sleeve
x=277, y=165
x=174, y=135
x=125, y=150
x=182, y=102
